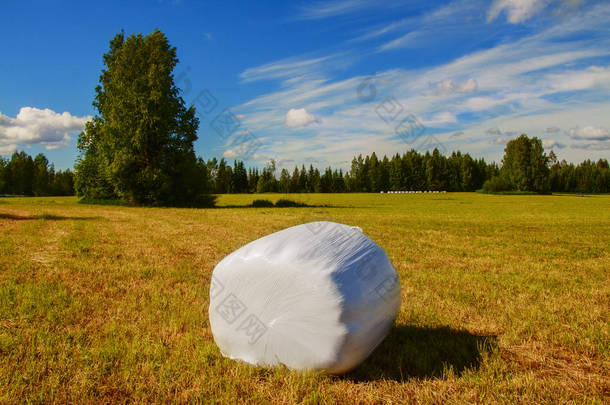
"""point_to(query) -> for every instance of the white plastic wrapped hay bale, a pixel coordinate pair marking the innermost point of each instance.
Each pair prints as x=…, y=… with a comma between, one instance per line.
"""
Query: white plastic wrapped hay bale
x=316, y=296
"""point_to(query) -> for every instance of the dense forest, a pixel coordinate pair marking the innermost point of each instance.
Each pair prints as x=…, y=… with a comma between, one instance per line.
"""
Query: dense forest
x=587, y=177
x=24, y=175
x=412, y=171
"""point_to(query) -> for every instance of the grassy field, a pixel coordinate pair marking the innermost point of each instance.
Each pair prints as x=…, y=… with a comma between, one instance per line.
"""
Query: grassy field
x=505, y=299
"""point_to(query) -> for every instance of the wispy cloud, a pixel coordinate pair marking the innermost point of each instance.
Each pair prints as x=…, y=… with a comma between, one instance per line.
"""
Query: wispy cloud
x=298, y=69
x=519, y=11
x=591, y=77
x=446, y=23
x=519, y=86
x=448, y=86
x=317, y=10
x=593, y=147
x=516, y=10
x=325, y=9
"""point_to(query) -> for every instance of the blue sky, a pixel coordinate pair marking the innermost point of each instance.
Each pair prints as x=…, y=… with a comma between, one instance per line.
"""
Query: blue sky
x=319, y=82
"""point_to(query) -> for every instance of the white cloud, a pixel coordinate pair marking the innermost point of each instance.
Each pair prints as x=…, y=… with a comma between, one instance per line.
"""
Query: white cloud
x=401, y=41
x=314, y=10
x=594, y=146
x=551, y=143
x=591, y=77
x=590, y=133
x=441, y=118
x=317, y=10
x=552, y=130
x=299, y=117
x=295, y=69
x=493, y=131
x=449, y=86
x=7, y=149
x=382, y=30
x=35, y=126
x=230, y=154
x=445, y=23
x=517, y=11
x=482, y=103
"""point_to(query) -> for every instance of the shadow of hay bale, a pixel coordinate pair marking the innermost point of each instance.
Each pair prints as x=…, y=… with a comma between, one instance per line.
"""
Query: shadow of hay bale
x=422, y=352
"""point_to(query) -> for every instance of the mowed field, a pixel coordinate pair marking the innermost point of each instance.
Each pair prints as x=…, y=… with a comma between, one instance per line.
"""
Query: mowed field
x=505, y=299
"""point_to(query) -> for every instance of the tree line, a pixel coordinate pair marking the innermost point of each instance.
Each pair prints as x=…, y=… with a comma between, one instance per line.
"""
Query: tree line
x=22, y=175
x=409, y=171
x=587, y=177
x=525, y=167
x=417, y=171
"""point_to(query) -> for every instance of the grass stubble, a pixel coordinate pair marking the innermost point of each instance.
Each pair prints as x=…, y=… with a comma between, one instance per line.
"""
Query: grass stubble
x=505, y=299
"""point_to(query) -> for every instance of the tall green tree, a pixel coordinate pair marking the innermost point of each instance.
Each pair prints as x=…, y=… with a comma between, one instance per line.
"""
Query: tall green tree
x=3, y=174
x=221, y=177
x=525, y=165
x=303, y=180
x=41, y=183
x=253, y=177
x=326, y=181
x=139, y=147
x=284, y=185
x=240, y=177
x=267, y=182
x=295, y=186
x=21, y=174
x=436, y=171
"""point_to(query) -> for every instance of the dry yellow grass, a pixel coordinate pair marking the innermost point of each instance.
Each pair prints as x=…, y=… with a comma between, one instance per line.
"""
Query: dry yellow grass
x=505, y=300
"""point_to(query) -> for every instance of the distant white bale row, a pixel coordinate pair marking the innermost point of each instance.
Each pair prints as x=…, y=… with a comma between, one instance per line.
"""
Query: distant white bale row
x=413, y=192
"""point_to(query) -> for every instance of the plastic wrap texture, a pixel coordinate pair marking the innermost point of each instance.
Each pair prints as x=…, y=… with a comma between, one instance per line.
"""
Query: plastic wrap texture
x=316, y=296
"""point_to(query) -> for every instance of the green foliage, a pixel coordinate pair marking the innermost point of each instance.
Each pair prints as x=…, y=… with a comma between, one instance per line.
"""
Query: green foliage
x=3, y=164
x=495, y=185
x=587, y=177
x=103, y=202
x=285, y=182
x=525, y=165
x=240, y=177
x=411, y=171
x=282, y=203
x=262, y=203
x=267, y=182
x=416, y=171
x=22, y=175
x=140, y=146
